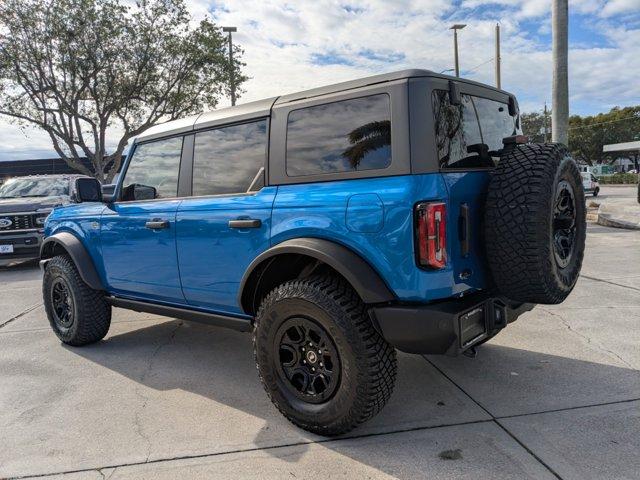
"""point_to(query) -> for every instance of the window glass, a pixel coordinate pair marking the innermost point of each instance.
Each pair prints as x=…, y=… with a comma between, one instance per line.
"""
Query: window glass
x=470, y=135
x=35, y=187
x=229, y=159
x=495, y=123
x=344, y=136
x=153, y=170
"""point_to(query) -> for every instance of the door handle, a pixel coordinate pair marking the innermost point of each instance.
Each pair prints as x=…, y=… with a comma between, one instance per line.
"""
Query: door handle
x=157, y=224
x=245, y=223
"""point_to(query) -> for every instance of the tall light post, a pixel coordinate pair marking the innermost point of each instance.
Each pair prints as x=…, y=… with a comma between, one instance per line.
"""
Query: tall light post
x=232, y=80
x=560, y=86
x=455, y=28
x=497, y=57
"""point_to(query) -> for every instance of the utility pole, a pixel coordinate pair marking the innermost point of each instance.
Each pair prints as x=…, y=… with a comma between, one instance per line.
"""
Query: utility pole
x=498, y=80
x=455, y=28
x=560, y=87
x=545, y=123
x=232, y=80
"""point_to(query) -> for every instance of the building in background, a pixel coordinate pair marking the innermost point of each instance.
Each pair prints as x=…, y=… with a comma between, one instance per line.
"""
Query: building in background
x=37, y=166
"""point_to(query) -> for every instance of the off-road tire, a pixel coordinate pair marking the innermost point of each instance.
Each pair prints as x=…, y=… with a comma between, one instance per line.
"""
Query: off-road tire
x=91, y=313
x=519, y=223
x=368, y=363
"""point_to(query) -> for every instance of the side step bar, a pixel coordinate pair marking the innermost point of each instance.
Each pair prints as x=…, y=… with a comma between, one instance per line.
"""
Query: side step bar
x=234, y=323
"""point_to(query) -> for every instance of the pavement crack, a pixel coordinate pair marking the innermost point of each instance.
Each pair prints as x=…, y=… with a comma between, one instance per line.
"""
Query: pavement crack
x=595, y=279
x=589, y=340
x=495, y=420
x=137, y=417
x=21, y=314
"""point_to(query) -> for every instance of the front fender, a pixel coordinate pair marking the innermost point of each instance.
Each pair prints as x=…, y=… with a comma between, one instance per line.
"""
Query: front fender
x=65, y=242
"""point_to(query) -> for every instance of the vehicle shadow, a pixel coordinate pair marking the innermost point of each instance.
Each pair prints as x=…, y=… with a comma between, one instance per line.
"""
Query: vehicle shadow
x=218, y=365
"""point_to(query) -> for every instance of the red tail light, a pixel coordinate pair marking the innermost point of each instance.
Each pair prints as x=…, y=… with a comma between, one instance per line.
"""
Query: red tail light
x=431, y=238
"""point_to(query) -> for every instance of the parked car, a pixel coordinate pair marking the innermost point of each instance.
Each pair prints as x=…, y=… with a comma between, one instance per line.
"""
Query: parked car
x=402, y=211
x=590, y=183
x=25, y=203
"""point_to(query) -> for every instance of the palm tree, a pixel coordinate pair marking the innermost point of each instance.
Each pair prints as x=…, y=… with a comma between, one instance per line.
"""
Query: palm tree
x=365, y=139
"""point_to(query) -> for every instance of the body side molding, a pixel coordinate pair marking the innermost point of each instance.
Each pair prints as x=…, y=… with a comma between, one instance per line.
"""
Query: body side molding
x=81, y=258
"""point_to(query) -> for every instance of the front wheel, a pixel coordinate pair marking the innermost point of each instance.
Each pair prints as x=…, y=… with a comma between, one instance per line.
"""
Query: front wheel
x=596, y=192
x=77, y=314
x=320, y=360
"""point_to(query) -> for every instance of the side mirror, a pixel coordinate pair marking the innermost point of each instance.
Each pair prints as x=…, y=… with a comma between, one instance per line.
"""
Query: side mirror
x=108, y=192
x=88, y=190
x=144, y=192
x=137, y=191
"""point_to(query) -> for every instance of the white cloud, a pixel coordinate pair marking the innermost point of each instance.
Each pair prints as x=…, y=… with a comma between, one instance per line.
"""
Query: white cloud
x=282, y=38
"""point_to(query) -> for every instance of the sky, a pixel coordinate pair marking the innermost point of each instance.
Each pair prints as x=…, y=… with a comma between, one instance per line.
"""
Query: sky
x=296, y=45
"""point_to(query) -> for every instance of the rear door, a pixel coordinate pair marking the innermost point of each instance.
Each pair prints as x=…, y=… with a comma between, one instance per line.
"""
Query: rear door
x=468, y=143
x=226, y=223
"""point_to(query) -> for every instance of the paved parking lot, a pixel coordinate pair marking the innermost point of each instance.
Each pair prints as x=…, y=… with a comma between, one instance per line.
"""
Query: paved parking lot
x=556, y=395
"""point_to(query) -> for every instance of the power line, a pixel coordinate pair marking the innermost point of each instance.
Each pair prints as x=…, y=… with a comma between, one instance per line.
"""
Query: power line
x=603, y=123
x=478, y=66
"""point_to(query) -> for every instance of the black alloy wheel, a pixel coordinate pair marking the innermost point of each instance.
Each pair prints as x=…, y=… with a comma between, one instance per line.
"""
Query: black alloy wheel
x=309, y=364
x=62, y=303
x=564, y=224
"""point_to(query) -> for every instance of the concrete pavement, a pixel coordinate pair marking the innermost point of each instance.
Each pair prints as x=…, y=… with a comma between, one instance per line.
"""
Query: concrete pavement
x=555, y=395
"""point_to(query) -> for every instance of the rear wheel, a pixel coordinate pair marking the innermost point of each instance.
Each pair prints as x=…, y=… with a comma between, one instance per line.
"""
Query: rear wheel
x=77, y=314
x=320, y=360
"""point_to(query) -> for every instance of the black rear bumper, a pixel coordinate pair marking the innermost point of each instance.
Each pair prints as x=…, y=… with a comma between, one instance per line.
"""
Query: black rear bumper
x=448, y=327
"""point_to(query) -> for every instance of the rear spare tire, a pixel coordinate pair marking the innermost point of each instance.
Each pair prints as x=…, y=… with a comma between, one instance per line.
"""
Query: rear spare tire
x=535, y=223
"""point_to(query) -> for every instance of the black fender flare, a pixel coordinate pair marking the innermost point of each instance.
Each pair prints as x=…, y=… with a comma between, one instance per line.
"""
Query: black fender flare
x=81, y=258
x=362, y=277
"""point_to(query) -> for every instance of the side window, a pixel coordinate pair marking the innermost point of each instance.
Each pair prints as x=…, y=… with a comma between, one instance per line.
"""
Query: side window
x=230, y=159
x=153, y=170
x=458, y=136
x=470, y=135
x=344, y=136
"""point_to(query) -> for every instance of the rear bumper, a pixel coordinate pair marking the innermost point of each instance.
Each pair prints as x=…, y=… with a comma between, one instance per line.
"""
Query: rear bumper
x=448, y=327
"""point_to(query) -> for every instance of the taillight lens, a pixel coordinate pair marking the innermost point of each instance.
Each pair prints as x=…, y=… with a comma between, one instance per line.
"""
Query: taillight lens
x=431, y=227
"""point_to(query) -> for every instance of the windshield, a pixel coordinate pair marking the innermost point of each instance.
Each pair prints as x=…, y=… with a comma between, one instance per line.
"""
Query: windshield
x=34, y=187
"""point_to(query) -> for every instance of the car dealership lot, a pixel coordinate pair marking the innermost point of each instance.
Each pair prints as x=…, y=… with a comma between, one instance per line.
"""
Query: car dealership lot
x=557, y=394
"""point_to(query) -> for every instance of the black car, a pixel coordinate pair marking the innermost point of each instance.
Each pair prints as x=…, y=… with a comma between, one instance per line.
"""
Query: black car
x=25, y=203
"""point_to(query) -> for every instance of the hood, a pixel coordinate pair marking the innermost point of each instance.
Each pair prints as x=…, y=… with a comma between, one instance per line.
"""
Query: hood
x=30, y=204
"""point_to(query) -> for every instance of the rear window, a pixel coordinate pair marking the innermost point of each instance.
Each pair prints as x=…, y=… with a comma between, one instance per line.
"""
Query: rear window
x=470, y=135
x=344, y=136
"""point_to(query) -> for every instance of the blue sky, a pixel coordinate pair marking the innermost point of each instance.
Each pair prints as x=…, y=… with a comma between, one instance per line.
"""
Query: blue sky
x=294, y=45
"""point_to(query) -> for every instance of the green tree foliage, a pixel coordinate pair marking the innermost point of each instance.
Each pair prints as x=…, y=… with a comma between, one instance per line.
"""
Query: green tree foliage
x=587, y=135
x=534, y=124
x=81, y=68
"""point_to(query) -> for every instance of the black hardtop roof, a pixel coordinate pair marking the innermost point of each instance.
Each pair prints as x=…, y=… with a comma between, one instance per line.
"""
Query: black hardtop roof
x=263, y=107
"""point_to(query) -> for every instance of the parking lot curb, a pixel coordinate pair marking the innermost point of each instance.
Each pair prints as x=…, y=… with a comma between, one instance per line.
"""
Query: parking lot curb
x=607, y=220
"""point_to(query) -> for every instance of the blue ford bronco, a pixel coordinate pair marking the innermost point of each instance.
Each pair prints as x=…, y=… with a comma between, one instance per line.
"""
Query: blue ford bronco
x=401, y=211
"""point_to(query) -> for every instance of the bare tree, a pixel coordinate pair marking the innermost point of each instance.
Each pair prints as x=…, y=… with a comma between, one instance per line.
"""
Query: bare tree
x=79, y=69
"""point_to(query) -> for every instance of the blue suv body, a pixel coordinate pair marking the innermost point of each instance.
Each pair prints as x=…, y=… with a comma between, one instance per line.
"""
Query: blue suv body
x=365, y=196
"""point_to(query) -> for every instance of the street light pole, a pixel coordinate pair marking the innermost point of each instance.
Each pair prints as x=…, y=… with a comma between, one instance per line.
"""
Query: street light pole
x=498, y=80
x=455, y=28
x=232, y=81
x=560, y=87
